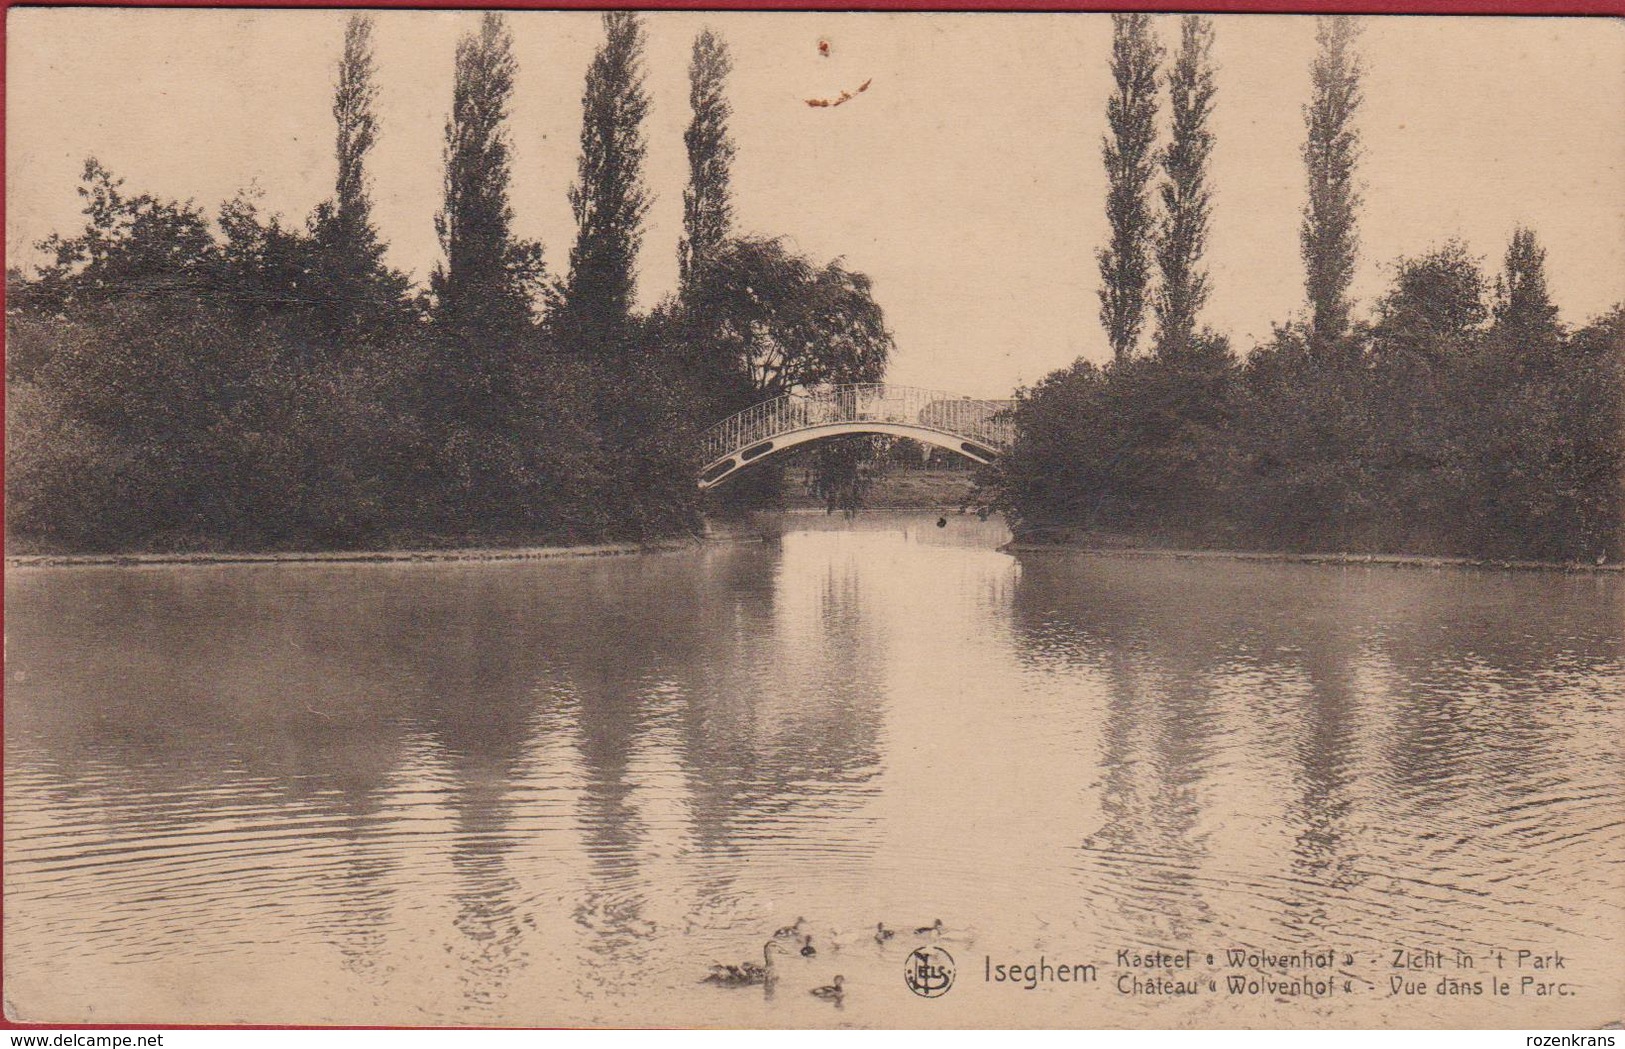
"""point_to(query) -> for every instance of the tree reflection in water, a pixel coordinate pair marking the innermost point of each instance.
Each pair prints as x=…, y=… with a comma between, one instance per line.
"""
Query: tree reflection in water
x=533, y=792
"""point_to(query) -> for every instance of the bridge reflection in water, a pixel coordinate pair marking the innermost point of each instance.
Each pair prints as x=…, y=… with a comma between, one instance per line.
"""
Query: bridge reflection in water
x=977, y=429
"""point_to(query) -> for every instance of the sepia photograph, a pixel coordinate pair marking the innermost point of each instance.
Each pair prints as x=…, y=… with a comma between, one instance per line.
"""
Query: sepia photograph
x=770, y=520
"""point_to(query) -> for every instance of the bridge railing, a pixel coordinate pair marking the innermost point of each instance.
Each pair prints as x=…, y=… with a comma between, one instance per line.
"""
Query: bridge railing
x=963, y=417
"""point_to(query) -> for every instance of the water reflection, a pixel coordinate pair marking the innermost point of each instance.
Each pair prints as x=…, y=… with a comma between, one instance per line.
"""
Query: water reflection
x=555, y=792
x=1391, y=724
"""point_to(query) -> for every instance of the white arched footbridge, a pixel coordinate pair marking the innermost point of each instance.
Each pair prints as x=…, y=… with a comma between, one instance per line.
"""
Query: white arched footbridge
x=977, y=429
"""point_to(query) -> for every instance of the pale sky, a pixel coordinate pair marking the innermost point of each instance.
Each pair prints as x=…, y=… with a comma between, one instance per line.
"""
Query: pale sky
x=966, y=181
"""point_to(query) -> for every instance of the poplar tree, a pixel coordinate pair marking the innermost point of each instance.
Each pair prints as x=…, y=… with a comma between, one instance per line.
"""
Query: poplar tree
x=707, y=202
x=359, y=294
x=1186, y=200
x=487, y=276
x=353, y=100
x=1523, y=306
x=1328, y=237
x=608, y=198
x=1130, y=158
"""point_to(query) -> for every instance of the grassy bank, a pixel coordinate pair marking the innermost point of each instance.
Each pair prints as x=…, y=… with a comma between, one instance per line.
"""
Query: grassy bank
x=425, y=556
x=1116, y=544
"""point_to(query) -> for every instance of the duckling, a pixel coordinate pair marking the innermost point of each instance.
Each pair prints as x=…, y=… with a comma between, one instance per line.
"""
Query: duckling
x=747, y=974
x=882, y=934
x=935, y=928
x=724, y=974
x=807, y=949
x=790, y=932
x=830, y=992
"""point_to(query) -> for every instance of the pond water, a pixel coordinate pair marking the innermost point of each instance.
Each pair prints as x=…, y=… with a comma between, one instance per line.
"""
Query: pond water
x=554, y=793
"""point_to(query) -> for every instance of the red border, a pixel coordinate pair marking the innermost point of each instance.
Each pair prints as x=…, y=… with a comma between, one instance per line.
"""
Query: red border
x=1303, y=7
x=1587, y=8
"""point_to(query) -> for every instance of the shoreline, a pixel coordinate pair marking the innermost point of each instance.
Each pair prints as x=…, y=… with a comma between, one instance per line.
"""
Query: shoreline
x=731, y=532
x=1018, y=546
x=447, y=555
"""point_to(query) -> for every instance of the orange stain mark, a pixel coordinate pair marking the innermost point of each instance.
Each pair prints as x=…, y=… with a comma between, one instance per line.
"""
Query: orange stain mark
x=844, y=96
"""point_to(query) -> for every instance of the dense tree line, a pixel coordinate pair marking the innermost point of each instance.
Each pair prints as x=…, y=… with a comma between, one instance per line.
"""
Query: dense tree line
x=1439, y=428
x=181, y=381
x=1462, y=419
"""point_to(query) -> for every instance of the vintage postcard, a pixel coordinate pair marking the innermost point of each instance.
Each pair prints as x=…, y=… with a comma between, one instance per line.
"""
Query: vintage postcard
x=804, y=520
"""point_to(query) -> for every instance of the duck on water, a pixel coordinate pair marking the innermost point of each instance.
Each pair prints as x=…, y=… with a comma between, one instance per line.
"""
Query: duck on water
x=747, y=974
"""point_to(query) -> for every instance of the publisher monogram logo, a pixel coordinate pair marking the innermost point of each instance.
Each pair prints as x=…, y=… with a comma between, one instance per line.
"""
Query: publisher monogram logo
x=929, y=972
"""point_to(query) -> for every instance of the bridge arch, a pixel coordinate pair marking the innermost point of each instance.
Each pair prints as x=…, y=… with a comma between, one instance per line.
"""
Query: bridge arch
x=976, y=429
